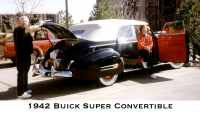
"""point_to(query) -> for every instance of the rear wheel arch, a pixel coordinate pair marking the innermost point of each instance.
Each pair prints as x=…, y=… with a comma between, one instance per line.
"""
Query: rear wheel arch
x=39, y=52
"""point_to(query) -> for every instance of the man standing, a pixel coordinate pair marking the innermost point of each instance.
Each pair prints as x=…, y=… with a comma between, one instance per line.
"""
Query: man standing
x=24, y=48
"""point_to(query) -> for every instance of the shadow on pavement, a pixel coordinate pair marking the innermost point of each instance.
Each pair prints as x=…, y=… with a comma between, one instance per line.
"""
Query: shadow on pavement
x=11, y=64
x=64, y=86
x=143, y=77
x=7, y=65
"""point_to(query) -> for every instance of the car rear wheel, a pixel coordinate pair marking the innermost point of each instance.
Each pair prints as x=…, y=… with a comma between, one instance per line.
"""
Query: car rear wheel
x=108, y=80
x=176, y=65
x=13, y=60
x=34, y=58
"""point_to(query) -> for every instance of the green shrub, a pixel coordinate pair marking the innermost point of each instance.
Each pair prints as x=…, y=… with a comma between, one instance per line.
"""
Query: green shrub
x=6, y=37
x=190, y=14
x=4, y=30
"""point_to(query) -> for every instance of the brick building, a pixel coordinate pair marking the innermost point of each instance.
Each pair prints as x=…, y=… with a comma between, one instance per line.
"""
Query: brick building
x=160, y=11
x=157, y=12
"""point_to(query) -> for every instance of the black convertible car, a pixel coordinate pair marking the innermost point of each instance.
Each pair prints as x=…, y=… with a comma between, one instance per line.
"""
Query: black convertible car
x=103, y=49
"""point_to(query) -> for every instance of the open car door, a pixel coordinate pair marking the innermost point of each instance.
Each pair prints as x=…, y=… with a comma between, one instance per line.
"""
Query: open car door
x=172, y=43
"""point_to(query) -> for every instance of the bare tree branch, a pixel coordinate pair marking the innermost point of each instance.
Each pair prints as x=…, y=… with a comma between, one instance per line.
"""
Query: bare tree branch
x=34, y=7
x=23, y=7
x=16, y=6
x=127, y=8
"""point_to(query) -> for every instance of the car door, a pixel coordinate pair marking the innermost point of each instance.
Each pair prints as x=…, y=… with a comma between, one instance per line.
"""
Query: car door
x=172, y=42
x=127, y=45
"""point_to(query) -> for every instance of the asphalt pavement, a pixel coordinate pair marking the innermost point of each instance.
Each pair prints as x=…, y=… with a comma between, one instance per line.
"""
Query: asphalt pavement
x=171, y=84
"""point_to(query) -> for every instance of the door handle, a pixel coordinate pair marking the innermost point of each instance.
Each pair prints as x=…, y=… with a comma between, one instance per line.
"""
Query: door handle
x=166, y=44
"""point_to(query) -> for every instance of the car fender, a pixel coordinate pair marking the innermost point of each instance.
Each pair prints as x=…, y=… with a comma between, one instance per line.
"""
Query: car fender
x=100, y=63
x=39, y=50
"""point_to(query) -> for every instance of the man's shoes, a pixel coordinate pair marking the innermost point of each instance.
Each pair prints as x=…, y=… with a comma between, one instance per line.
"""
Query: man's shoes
x=29, y=91
x=144, y=64
x=24, y=96
x=153, y=76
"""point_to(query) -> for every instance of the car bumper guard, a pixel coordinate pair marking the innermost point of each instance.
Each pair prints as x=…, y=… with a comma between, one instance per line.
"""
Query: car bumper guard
x=52, y=72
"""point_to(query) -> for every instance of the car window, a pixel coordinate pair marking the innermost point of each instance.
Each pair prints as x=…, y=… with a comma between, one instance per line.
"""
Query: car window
x=53, y=37
x=76, y=32
x=173, y=28
x=137, y=29
x=80, y=31
x=125, y=32
x=40, y=35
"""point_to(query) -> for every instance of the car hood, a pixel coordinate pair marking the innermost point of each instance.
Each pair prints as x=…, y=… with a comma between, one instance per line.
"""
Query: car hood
x=59, y=31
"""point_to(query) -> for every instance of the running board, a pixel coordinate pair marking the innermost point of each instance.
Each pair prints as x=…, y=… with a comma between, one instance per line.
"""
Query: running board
x=135, y=69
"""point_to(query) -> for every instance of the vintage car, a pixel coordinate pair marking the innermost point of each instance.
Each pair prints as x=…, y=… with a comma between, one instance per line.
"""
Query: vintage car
x=103, y=49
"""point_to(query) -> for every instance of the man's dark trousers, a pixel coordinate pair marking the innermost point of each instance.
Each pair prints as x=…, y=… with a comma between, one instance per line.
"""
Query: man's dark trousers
x=23, y=61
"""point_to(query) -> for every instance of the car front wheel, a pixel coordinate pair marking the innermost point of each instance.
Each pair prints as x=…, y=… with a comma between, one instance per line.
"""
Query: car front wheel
x=176, y=65
x=34, y=58
x=108, y=80
x=13, y=60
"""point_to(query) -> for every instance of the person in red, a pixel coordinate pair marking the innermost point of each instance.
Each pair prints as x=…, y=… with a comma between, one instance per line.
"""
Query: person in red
x=145, y=45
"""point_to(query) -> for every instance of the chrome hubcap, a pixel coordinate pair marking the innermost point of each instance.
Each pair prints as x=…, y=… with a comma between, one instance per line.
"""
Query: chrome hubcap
x=33, y=57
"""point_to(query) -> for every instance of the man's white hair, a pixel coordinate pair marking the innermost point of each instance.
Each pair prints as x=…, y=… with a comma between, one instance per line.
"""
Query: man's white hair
x=23, y=17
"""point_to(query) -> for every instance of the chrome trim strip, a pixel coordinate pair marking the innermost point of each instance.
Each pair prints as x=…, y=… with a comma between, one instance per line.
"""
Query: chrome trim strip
x=171, y=34
x=109, y=67
x=63, y=74
x=56, y=74
x=41, y=71
x=113, y=44
x=128, y=42
x=131, y=69
x=102, y=45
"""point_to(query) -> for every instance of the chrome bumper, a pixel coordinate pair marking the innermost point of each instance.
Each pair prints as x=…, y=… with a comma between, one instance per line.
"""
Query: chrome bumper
x=53, y=73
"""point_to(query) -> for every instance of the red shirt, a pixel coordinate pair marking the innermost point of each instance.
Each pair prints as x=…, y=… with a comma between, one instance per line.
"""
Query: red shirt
x=144, y=41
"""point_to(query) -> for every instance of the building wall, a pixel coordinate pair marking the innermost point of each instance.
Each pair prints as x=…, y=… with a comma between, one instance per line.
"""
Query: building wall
x=157, y=12
x=160, y=11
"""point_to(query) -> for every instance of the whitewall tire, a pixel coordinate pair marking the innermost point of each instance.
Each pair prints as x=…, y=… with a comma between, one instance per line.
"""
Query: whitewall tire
x=108, y=80
x=176, y=65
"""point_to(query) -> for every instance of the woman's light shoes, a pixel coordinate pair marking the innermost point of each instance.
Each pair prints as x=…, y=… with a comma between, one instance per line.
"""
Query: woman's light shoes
x=144, y=64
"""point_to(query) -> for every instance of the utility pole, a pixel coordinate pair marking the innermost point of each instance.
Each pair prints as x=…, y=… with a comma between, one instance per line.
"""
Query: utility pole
x=66, y=2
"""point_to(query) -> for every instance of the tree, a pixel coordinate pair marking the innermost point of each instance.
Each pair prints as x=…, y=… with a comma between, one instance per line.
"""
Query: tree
x=127, y=9
x=81, y=21
x=23, y=7
x=190, y=14
x=4, y=30
x=61, y=18
x=103, y=10
x=26, y=5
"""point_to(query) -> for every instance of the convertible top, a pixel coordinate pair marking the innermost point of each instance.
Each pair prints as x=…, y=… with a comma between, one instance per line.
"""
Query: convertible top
x=102, y=30
x=113, y=22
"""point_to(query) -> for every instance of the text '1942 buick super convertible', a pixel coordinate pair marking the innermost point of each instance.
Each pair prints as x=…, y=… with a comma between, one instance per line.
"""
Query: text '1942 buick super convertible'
x=103, y=49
